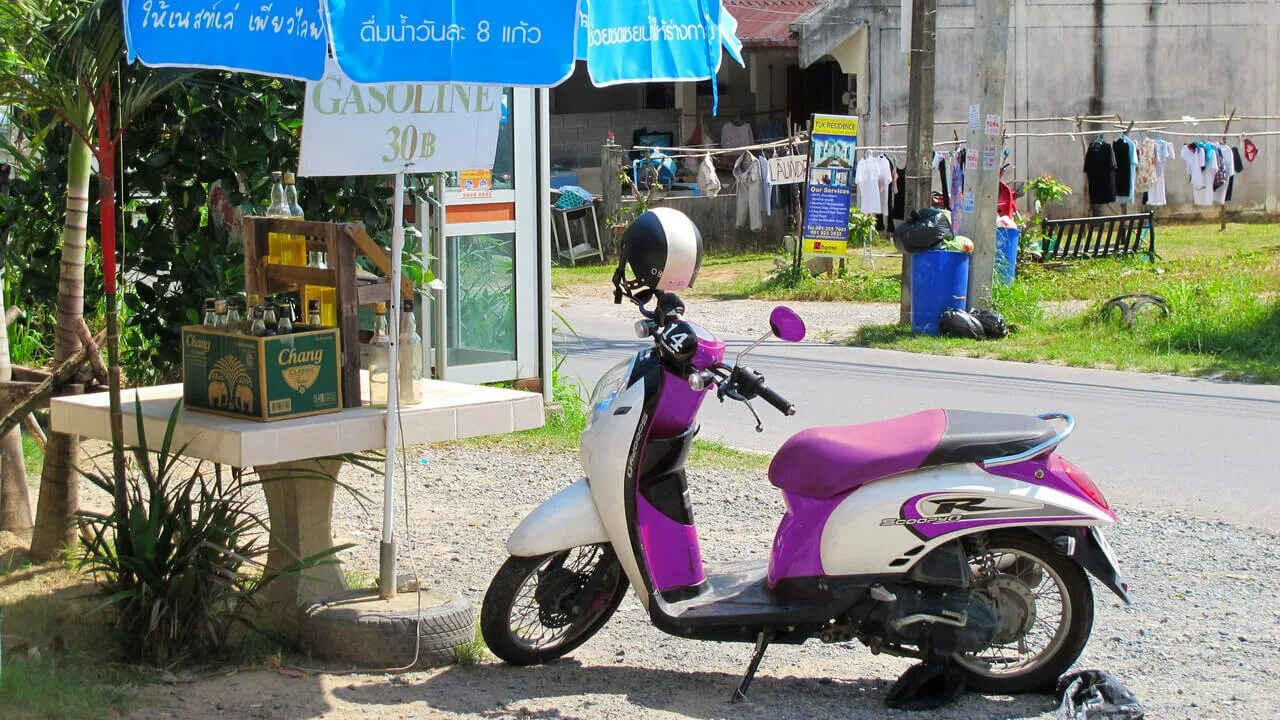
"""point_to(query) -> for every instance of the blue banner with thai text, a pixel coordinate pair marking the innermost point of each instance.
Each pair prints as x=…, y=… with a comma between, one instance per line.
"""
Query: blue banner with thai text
x=506, y=42
x=285, y=38
x=659, y=40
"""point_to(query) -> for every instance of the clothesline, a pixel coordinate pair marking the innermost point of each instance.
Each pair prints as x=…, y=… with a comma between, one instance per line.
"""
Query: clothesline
x=1097, y=119
x=697, y=151
x=1154, y=131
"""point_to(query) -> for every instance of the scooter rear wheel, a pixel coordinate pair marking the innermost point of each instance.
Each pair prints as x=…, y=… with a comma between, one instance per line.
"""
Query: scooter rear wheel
x=1046, y=612
x=540, y=608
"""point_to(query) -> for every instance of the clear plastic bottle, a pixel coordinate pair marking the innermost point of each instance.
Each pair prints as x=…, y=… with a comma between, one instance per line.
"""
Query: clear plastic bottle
x=410, y=385
x=380, y=359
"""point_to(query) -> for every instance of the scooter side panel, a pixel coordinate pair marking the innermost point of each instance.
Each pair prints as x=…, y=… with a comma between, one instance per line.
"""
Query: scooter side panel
x=606, y=447
x=565, y=520
x=888, y=525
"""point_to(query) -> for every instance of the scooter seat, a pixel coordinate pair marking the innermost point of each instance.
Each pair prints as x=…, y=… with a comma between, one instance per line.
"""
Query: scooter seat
x=826, y=461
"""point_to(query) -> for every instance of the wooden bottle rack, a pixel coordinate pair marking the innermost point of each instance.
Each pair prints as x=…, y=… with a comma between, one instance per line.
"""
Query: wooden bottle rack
x=344, y=242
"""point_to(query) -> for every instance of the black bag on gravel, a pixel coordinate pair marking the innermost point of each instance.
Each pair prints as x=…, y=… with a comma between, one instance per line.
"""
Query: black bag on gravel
x=924, y=230
x=1096, y=695
x=992, y=322
x=926, y=686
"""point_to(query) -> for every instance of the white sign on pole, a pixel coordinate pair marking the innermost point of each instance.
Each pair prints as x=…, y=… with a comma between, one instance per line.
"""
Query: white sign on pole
x=904, y=27
x=387, y=128
x=787, y=170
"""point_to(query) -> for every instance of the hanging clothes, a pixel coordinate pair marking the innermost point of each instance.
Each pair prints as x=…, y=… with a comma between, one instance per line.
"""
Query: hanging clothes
x=1200, y=172
x=1156, y=196
x=884, y=179
x=734, y=136
x=1145, y=175
x=900, y=195
x=957, y=190
x=746, y=176
x=1238, y=163
x=1100, y=169
x=1125, y=160
x=1222, y=178
x=940, y=162
x=867, y=178
x=708, y=179
x=766, y=187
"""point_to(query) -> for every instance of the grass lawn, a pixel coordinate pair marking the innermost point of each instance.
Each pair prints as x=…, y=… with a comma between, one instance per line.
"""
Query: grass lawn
x=1221, y=287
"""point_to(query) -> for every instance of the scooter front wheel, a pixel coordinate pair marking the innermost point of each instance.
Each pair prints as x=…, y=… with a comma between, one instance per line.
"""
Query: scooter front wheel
x=540, y=608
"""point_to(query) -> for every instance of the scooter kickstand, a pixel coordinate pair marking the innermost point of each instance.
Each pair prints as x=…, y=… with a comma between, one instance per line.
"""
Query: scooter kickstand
x=762, y=642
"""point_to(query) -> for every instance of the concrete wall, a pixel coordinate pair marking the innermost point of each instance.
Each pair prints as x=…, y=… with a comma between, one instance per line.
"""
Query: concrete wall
x=1143, y=59
x=576, y=138
x=714, y=218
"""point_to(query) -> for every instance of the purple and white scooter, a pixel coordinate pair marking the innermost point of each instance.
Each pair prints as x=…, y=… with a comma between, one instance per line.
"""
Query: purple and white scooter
x=945, y=534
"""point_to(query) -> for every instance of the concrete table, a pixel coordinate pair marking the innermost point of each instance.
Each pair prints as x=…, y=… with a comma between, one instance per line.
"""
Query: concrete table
x=295, y=459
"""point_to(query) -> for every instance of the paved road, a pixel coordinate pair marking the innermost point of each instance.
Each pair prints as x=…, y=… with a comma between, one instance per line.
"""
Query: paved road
x=1207, y=448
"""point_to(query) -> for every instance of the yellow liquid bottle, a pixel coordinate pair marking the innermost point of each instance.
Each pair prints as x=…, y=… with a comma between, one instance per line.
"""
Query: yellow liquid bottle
x=293, y=248
x=279, y=208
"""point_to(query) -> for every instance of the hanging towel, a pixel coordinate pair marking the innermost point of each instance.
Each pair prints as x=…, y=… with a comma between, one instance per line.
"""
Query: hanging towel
x=746, y=176
x=708, y=180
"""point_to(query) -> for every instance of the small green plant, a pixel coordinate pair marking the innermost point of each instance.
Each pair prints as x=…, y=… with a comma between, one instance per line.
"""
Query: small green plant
x=860, y=224
x=1047, y=190
x=472, y=653
x=178, y=555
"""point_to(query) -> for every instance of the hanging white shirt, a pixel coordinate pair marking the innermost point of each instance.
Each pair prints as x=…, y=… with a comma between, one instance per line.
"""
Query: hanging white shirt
x=1228, y=165
x=884, y=170
x=1200, y=170
x=868, y=180
x=1157, y=195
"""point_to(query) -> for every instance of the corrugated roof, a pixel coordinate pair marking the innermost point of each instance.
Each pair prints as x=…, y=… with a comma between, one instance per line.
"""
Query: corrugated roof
x=767, y=23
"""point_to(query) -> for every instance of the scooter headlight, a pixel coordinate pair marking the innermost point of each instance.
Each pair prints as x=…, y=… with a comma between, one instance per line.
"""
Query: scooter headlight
x=607, y=389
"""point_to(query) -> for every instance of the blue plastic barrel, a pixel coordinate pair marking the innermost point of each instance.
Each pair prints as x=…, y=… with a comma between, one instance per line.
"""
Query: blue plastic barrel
x=939, y=280
x=1006, y=254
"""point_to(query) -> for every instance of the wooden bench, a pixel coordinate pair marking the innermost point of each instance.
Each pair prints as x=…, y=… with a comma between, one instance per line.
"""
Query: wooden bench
x=1096, y=237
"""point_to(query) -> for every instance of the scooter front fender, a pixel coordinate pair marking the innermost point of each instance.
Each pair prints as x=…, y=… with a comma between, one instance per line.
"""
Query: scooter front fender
x=566, y=520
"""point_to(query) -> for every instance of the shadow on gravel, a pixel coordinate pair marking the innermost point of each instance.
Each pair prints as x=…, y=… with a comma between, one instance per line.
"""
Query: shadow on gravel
x=498, y=690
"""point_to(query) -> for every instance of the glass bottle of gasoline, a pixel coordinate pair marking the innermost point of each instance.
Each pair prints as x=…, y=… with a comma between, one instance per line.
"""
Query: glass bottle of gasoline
x=313, y=314
x=220, y=314
x=269, y=318
x=284, y=315
x=380, y=359
x=210, y=312
x=278, y=207
x=410, y=385
x=259, y=327
x=234, y=323
x=293, y=248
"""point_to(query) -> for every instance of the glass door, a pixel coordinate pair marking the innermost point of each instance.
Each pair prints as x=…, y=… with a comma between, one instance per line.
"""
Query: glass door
x=487, y=256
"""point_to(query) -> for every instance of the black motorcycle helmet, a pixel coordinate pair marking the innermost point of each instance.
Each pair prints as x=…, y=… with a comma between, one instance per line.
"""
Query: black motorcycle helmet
x=958, y=323
x=663, y=248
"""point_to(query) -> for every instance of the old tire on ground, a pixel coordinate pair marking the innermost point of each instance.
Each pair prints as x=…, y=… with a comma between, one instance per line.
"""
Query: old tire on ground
x=359, y=629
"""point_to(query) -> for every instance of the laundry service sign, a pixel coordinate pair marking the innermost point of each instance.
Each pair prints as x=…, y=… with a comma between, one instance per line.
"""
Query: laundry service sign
x=351, y=128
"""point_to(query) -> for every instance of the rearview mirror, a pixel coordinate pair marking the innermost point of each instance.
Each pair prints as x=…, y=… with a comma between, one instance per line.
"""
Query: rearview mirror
x=786, y=324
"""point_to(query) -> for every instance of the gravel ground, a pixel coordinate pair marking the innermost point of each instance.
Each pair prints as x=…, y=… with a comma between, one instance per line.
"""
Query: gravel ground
x=824, y=320
x=1201, y=640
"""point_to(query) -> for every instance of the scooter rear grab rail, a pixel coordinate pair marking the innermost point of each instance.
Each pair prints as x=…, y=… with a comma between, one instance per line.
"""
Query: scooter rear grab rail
x=1042, y=448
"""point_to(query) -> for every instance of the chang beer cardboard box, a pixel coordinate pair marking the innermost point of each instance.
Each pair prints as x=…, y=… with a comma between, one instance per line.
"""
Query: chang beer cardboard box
x=261, y=378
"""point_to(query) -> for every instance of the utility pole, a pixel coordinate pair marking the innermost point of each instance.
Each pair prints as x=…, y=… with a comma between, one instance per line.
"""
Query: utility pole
x=924, y=42
x=984, y=147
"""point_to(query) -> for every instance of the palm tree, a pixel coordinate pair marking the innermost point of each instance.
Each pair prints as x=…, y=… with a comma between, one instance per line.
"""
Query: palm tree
x=63, y=57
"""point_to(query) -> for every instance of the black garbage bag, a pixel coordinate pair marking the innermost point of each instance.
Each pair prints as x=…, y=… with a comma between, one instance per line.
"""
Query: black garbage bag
x=926, y=686
x=960, y=324
x=1096, y=695
x=924, y=230
x=993, y=325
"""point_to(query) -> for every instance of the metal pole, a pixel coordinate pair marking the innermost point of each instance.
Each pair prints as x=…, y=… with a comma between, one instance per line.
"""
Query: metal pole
x=920, y=114
x=991, y=33
x=387, y=551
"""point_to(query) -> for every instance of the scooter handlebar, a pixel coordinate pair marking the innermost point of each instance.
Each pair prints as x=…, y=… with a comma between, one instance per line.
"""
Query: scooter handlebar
x=752, y=385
